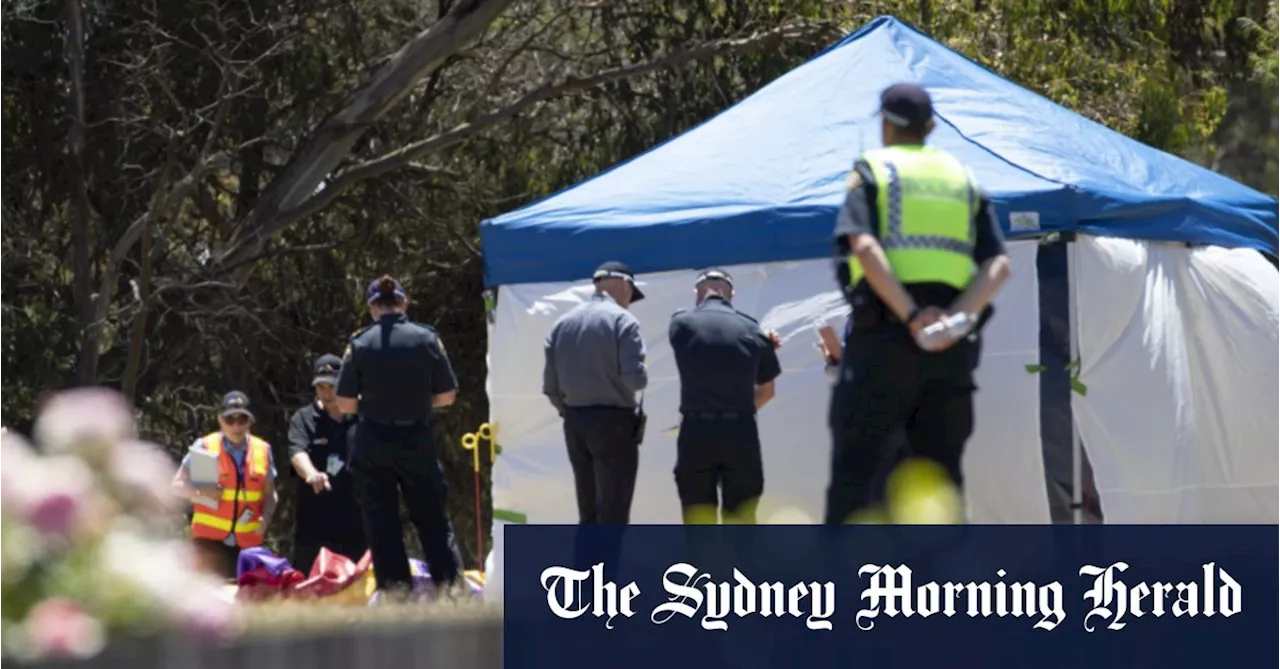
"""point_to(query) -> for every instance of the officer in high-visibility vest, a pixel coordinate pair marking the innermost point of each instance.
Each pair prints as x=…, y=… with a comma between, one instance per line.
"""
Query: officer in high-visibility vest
x=233, y=512
x=917, y=241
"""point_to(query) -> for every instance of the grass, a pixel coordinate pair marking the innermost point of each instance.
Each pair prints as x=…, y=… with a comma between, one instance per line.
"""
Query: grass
x=286, y=617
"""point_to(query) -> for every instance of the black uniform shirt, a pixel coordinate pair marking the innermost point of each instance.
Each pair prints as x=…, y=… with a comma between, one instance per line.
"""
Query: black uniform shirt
x=394, y=367
x=858, y=216
x=721, y=354
x=332, y=514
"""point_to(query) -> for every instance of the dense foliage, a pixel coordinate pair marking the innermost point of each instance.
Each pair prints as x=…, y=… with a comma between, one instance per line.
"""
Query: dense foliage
x=153, y=240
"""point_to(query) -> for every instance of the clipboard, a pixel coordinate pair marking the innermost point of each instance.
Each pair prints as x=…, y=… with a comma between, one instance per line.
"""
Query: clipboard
x=203, y=469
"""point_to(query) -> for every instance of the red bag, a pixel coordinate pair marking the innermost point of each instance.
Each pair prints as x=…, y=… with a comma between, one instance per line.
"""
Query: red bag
x=331, y=573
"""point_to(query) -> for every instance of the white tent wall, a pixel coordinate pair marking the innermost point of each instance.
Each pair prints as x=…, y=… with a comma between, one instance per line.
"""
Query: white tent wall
x=1003, y=464
x=1178, y=349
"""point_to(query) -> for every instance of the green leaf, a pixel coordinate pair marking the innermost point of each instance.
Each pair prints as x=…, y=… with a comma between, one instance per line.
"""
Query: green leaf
x=509, y=516
x=1078, y=386
x=1073, y=365
x=1035, y=369
x=497, y=449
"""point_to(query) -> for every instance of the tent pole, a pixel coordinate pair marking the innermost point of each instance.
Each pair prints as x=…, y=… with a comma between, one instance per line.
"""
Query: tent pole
x=1077, y=445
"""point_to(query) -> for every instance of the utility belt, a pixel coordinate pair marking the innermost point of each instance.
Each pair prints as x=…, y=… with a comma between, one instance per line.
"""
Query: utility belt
x=870, y=313
x=421, y=422
x=717, y=415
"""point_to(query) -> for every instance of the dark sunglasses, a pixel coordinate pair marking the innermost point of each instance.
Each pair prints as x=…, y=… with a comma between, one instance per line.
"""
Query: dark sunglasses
x=236, y=419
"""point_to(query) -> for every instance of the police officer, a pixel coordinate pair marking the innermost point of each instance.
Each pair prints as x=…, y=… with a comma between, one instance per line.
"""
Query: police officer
x=319, y=439
x=595, y=366
x=917, y=241
x=394, y=373
x=727, y=367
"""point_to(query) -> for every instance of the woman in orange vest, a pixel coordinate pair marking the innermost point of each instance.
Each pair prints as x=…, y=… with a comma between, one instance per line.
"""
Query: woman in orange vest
x=229, y=477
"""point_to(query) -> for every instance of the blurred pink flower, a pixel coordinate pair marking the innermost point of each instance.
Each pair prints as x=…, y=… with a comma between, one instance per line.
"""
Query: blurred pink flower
x=145, y=472
x=56, y=514
x=56, y=493
x=58, y=627
x=89, y=421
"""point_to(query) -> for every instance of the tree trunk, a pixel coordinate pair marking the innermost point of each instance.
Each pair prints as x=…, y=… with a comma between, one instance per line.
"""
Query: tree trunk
x=86, y=366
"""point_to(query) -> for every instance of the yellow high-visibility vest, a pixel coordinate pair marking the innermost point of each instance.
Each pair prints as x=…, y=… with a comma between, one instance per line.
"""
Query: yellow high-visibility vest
x=925, y=204
x=237, y=495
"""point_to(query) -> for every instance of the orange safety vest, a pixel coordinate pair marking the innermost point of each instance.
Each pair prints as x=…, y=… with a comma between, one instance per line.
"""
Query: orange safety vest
x=239, y=495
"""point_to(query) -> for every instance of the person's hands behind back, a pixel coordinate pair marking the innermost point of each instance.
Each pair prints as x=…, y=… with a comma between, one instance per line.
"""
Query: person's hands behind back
x=774, y=338
x=926, y=317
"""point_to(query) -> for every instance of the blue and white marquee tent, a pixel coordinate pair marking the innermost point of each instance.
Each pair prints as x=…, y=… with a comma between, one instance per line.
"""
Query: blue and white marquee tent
x=1155, y=288
x=761, y=182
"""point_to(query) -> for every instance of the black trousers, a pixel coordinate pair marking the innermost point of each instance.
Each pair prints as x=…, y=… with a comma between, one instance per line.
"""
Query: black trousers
x=888, y=383
x=605, y=457
x=217, y=557
x=305, y=551
x=390, y=457
x=719, y=468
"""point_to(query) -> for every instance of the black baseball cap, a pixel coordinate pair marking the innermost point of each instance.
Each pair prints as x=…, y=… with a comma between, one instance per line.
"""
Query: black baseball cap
x=906, y=105
x=235, y=403
x=715, y=274
x=326, y=370
x=375, y=290
x=617, y=270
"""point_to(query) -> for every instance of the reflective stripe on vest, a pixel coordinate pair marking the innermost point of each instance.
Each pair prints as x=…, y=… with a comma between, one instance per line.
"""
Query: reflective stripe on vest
x=238, y=495
x=924, y=210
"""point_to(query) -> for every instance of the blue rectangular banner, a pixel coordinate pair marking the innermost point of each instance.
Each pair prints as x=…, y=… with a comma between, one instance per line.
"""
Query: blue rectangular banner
x=1026, y=597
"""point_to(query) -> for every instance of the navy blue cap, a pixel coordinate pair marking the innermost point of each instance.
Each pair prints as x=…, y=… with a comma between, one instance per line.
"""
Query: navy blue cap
x=326, y=370
x=906, y=105
x=235, y=403
x=375, y=290
x=715, y=274
x=616, y=270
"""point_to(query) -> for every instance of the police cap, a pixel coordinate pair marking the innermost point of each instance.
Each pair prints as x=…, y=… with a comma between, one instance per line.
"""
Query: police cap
x=385, y=288
x=906, y=105
x=714, y=274
x=235, y=403
x=326, y=370
x=616, y=270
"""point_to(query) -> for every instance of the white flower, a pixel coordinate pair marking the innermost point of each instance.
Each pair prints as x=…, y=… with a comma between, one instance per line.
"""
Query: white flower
x=87, y=421
x=157, y=569
x=144, y=473
x=16, y=457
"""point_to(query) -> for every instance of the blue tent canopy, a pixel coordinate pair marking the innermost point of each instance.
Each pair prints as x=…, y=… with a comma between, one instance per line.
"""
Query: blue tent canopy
x=762, y=181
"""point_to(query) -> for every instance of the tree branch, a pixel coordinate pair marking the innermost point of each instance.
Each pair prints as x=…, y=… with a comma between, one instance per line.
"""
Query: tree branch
x=162, y=207
x=409, y=153
x=325, y=149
